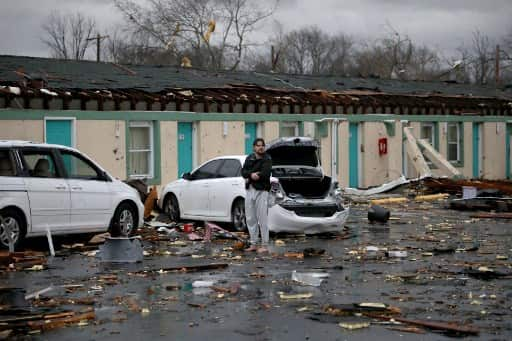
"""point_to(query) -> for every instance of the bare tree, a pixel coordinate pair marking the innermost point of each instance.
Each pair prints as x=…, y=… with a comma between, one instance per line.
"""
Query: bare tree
x=309, y=50
x=396, y=56
x=215, y=32
x=482, y=57
x=67, y=35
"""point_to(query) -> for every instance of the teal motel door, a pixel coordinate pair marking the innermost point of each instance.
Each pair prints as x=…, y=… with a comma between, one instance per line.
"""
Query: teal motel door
x=185, y=157
x=476, y=149
x=353, y=152
x=250, y=136
x=59, y=132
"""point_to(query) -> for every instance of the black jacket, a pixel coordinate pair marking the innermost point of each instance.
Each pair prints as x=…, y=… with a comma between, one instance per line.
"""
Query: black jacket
x=262, y=166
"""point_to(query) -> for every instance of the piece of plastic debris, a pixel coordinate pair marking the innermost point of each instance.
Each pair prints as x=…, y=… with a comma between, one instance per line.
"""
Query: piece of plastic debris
x=396, y=254
x=39, y=292
x=373, y=305
x=284, y=296
x=144, y=311
x=501, y=257
x=354, y=325
x=35, y=268
x=309, y=278
x=202, y=284
x=279, y=242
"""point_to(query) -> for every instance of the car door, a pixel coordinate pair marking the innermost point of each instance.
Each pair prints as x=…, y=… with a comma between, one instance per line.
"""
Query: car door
x=225, y=187
x=48, y=191
x=91, y=198
x=193, y=195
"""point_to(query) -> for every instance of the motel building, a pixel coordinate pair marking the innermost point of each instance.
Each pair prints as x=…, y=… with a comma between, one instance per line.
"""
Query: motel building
x=158, y=122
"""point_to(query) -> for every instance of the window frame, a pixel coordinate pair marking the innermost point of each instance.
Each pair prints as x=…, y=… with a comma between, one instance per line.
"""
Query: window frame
x=100, y=174
x=215, y=174
x=12, y=155
x=297, y=125
x=25, y=170
x=224, y=163
x=433, y=140
x=151, y=161
x=459, y=162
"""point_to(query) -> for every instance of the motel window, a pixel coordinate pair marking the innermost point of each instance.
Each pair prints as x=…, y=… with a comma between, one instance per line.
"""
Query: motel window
x=141, y=150
x=454, y=139
x=288, y=129
x=428, y=132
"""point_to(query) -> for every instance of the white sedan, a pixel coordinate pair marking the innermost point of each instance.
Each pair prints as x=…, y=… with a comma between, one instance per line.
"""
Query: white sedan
x=303, y=199
x=57, y=188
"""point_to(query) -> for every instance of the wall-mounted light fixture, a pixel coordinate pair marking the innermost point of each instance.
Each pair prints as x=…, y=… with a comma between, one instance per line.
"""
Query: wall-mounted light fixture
x=225, y=128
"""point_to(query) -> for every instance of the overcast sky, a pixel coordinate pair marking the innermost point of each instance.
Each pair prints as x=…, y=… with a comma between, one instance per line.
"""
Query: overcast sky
x=441, y=24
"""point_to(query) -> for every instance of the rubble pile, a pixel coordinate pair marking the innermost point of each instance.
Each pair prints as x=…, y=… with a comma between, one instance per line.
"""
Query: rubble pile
x=426, y=269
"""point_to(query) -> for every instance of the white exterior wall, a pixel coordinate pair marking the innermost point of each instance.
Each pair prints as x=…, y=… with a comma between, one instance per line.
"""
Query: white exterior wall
x=343, y=153
x=169, y=151
x=494, y=150
x=217, y=138
x=105, y=142
x=28, y=130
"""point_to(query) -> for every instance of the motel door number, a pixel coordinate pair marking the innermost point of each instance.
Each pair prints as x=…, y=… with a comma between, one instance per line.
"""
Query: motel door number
x=181, y=137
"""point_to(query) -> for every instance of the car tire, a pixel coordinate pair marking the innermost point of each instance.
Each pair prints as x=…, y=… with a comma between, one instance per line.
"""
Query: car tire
x=14, y=220
x=238, y=215
x=125, y=220
x=172, y=207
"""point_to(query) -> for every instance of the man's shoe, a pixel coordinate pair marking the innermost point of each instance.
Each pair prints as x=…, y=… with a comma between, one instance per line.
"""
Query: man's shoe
x=251, y=248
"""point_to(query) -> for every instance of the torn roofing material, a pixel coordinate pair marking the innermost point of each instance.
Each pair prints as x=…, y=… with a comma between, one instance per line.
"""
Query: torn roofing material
x=157, y=83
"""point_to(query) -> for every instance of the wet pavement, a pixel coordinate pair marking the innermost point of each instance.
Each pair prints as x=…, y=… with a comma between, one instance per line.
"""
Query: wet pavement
x=436, y=275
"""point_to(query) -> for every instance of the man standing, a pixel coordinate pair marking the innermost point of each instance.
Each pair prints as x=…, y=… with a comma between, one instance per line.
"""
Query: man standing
x=256, y=172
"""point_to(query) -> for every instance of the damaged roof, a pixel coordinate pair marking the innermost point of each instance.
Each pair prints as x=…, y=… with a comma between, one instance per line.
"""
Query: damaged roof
x=68, y=78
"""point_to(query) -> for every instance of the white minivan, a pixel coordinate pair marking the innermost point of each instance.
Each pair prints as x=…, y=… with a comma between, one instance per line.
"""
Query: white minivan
x=45, y=186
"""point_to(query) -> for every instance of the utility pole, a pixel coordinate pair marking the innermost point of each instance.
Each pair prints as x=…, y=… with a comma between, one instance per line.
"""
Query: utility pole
x=98, y=45
x=497, y=68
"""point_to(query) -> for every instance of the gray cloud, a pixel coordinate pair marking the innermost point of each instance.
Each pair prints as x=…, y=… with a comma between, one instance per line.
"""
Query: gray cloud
x=437, y=23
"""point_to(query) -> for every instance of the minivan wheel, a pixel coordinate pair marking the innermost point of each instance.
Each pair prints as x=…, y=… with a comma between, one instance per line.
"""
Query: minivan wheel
x=238, y=215
x=124, y=222
x=172, y=207
x=11, y=220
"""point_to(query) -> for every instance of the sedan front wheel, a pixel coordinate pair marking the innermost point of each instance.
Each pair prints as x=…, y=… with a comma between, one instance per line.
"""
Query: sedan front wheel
x=172, y=208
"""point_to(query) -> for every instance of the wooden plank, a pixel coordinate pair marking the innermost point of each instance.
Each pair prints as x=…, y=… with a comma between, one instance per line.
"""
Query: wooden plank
x=416, y=156
x=492, y=215
x=437, y=159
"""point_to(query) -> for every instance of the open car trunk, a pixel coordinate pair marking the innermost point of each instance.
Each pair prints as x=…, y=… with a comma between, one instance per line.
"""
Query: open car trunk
x=295, y=163
x=307, y=188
